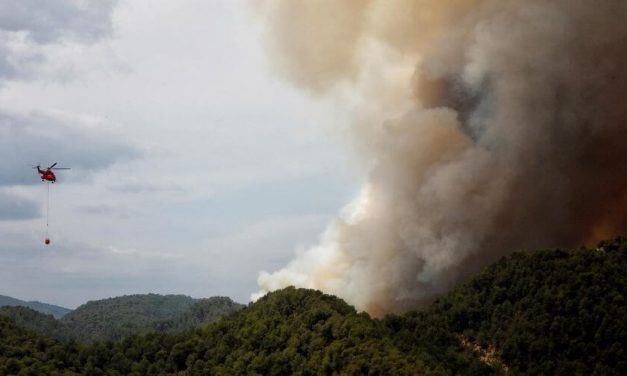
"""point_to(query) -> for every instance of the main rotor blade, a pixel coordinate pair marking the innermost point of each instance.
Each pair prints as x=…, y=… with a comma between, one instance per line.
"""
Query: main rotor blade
x=61, y=168
x=54, y=164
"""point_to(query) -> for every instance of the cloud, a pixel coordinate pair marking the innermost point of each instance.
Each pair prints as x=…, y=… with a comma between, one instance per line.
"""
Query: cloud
x=44, y=138
x=28, y=26
x=104, y=210
x=14, y=207
x=17, y=60
x=134, y=187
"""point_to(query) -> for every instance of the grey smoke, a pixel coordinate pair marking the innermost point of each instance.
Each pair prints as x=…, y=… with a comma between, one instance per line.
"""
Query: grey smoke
x=489, y=127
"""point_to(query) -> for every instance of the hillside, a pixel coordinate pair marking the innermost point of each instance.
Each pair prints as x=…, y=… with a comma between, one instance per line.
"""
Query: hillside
x=26, y=353
x=202, y=312
x=48, y=309
x=298, y=330
x=287, y=332
x=36, y=322
x=118, y=318
x=544, y=312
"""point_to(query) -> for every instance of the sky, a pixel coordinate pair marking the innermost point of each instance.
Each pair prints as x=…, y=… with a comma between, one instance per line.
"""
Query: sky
x=194, y=166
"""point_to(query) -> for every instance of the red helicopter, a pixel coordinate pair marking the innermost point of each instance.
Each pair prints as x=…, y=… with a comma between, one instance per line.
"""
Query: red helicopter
x=48, y=174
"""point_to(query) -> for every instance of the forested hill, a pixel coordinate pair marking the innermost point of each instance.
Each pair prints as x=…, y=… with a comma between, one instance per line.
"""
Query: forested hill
x=297, y=330
x=546, y=312
x=48, y=309
x=37, y=322
x=543, y=312
x=203, y=311
x=287, y=332
x=120, y=317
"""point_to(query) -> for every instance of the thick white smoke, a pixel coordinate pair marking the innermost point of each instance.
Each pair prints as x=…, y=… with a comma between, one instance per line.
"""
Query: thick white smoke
x=489, y=127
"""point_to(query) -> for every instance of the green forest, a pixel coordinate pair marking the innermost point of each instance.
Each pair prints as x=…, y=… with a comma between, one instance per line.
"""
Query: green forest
x=552, y=312
x=114, y=319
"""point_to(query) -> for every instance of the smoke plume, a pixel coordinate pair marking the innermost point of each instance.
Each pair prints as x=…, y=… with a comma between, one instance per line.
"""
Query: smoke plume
x=488, y=126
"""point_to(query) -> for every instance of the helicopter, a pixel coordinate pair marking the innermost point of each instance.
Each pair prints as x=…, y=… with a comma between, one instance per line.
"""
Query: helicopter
x=47, y=174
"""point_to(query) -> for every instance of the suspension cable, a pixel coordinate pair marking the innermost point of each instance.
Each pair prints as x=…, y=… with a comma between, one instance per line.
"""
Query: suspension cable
x=47, y=208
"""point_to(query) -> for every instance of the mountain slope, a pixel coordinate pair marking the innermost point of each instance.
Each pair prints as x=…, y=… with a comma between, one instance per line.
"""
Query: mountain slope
x=35, y=321
x=202, y=312
x=22, y=352
x=119, y=317
x=9, y=301
x=292, y=331
x=48, y=309
x=298, y=330
x=546, y=312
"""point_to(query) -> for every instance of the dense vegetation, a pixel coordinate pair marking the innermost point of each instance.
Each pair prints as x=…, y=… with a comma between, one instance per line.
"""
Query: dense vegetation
x=202, y=312
x=26, y=354
x=547, y=312
x=118, y=318
x=36, y=322
x=287, y=332
x=48, y=309
x=296, y=331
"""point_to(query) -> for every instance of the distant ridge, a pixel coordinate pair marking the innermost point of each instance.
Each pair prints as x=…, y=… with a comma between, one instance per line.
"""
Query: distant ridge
x=119, y=317
x=48, y=309
x=114, y=319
